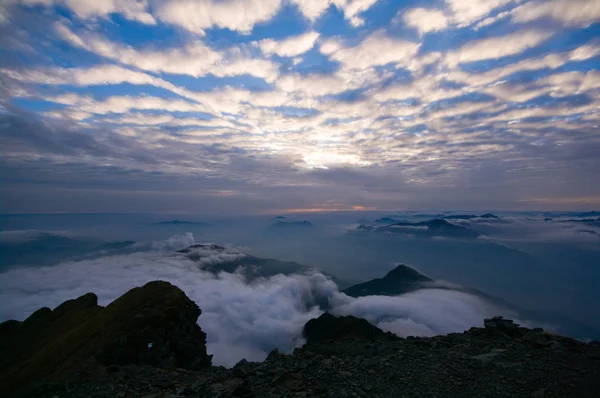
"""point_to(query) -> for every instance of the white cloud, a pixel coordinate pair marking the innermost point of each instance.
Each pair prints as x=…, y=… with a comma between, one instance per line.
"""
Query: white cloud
x=195, y=59
x=497, y=47
x=136, y=10
x=515, y=92
x=241, y=319
x=290, y=46
x=466, y=12
x=130, y=9
x=427, y=89
x=96, y=75
x=425, y=312
x=550, y=61
x=123, y=104
x=313, y=9
x=426, y=20
x=570, y=12
x=312, y=84
x=236, y=15
x=376, y=50
x=459, y=13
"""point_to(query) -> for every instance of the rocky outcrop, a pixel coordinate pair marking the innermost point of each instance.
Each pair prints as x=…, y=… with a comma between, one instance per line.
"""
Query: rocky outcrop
x=152, y=325
x=342, y=357
x=331, y=328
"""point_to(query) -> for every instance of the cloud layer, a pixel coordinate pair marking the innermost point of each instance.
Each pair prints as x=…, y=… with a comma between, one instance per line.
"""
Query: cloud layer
x=472, y=101
x=242, y=319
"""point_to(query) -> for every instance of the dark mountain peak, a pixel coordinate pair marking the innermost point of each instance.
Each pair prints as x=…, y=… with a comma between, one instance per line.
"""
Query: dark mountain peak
x=367, y=228
x=329, y=327
x=460, y=216
x=405, y=274
x=205, y=246
x=437, y=222
x=180, y=222
x=386, y=220
x=400, y=280
x=490, y=215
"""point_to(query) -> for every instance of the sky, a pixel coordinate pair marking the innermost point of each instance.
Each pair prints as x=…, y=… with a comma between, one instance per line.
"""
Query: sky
x=274, y=106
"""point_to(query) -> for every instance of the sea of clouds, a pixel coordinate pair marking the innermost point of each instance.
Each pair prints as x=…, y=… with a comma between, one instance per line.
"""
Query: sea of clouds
x=242, y=319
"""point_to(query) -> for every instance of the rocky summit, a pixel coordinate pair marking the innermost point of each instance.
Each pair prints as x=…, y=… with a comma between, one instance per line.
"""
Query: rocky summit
x=147, y=344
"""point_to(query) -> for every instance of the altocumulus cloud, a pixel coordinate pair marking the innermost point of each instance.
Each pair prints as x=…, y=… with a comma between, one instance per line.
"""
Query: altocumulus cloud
x=490, y=108
x=242, y=319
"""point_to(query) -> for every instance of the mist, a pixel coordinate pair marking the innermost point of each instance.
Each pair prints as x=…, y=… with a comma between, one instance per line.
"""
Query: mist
x=47, y=259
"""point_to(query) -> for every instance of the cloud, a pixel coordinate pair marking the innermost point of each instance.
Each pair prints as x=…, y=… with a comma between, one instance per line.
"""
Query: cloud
x=96, y=75
x=439, y=114
x=135, y=10
x=376, y=49
x=426, y=312
x=291, y=46
x=242, y=319
x=313, y=9
x=549, y=61
x=236, y=15
x=195, y=59
x=569, y=12
x=497, y=47
x=425, y=20
x=458, y=14
x=312, y=84
x=466, y=12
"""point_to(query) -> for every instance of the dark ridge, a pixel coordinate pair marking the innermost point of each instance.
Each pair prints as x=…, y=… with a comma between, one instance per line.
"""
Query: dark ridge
x=205, y=246
x=470, y=216
x=584, y=220
x=147, y=344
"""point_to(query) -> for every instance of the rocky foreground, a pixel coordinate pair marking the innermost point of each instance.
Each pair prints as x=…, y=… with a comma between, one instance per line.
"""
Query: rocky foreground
x=147, y=344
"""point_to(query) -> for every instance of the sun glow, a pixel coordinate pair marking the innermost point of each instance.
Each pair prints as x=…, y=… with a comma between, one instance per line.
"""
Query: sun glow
x=324, y=160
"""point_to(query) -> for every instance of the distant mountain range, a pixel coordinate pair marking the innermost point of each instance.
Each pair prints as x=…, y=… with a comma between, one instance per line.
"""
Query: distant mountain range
x=180, y=222
x=432, y=228
x=590, y=221
x=216, y=258
x=471, y=216
x=390, y=220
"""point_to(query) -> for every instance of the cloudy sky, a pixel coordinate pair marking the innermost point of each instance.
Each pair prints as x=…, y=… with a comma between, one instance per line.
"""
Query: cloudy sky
x=259, y=106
